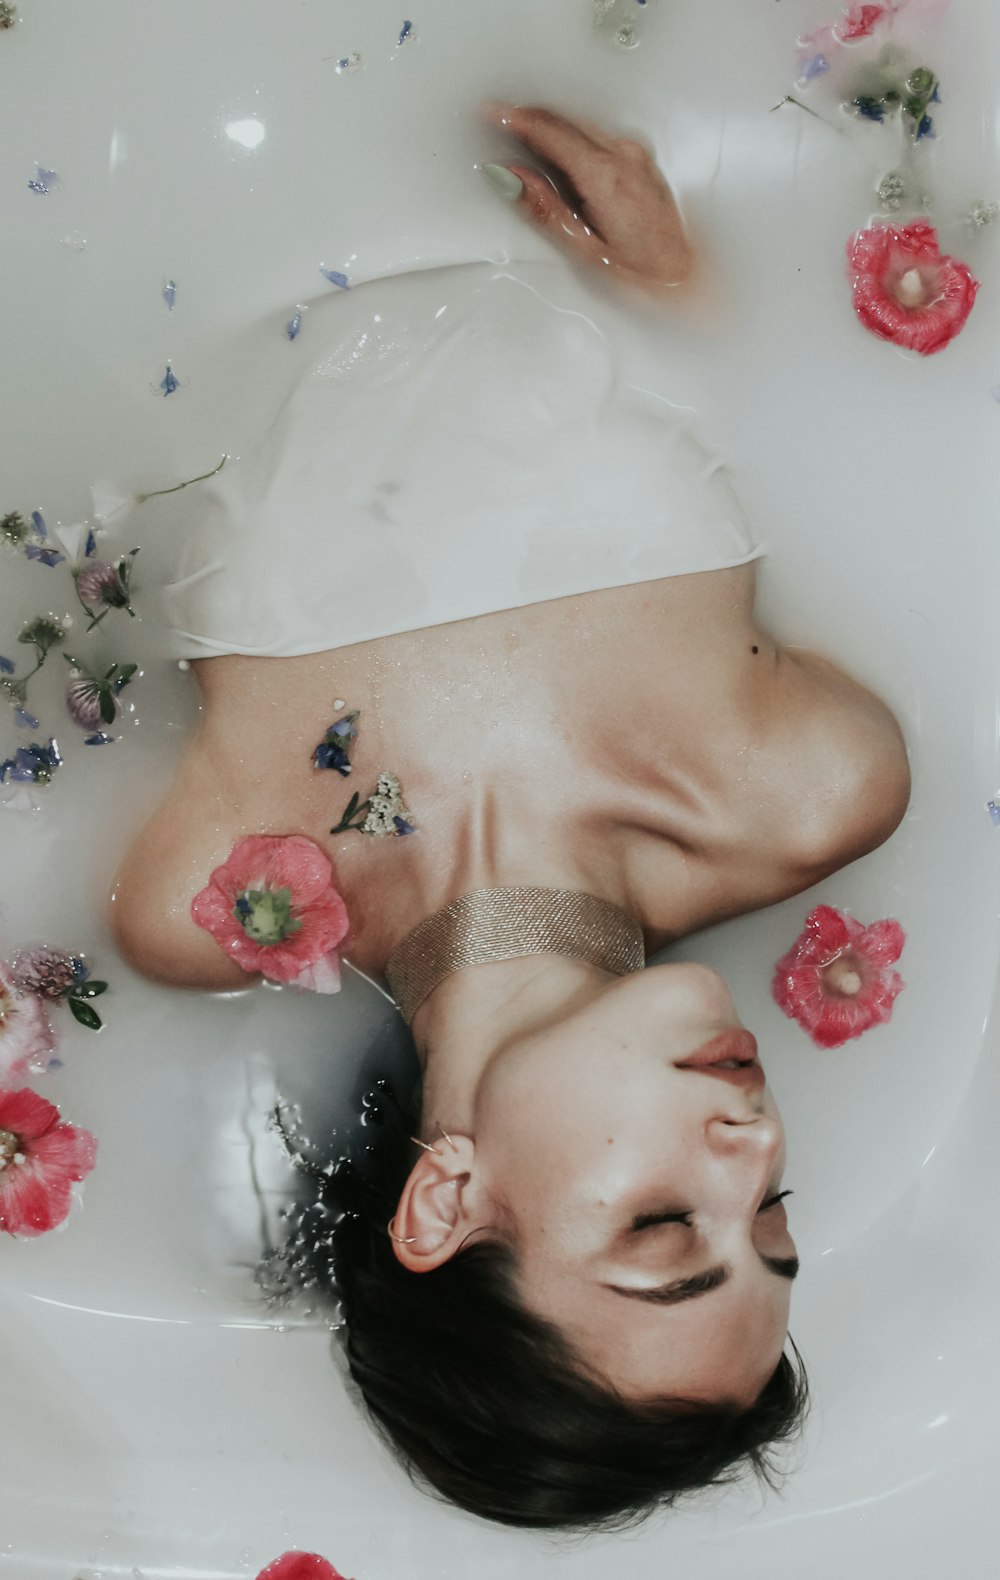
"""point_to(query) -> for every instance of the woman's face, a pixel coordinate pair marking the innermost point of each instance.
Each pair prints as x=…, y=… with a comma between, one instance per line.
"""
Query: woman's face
x=589, y=1133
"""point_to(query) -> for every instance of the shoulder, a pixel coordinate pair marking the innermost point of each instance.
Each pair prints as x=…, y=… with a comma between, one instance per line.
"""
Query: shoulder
x=838, y=765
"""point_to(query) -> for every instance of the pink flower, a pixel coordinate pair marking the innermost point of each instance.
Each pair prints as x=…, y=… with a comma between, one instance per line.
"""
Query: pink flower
x=273, y=908
x=836, y=980
x=860, y=22
x=300, y=1566
x=40, y=1160
x=27, y=1040
x=905, y=290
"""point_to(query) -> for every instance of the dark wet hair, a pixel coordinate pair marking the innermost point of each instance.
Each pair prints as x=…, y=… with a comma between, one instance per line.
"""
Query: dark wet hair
x=487, y=1403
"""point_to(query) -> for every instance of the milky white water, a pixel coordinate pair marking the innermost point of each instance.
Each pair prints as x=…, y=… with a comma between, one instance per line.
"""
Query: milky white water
x=158, y=1420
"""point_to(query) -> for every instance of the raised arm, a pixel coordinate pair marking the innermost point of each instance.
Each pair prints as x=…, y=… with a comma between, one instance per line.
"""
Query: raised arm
x=615, y=213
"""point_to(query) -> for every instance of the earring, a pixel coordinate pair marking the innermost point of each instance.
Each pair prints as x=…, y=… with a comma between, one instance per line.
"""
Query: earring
x=426, y=1145
x=399, y=1239
x=446, y=1135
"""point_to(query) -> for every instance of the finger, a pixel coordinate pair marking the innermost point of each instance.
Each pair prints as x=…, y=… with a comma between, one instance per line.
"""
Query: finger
x=549, y=212
x=557, y=138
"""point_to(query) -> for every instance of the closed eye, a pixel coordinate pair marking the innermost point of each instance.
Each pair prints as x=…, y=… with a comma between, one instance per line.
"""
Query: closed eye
x=649, y=1220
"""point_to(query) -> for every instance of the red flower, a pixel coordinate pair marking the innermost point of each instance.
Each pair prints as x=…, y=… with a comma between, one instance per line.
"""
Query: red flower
x=272, y=907
x=40, y=1159
x=905, y=290
x=836, y=980
x=26, y=1036
x=300, y=1566
x=860, y=22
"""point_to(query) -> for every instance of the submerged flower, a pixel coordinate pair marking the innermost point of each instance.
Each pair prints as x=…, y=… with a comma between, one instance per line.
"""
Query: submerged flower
x=837, y=979
x=336, y=278
x=48, y=973
x=300, y=1566
x=92, y=700
x=32, y=764
x=273, y=908
x=41, y=1159
x=102, y=583
x=860, y=22
x=905, y=290
x=43, y=632
x=27, y=1040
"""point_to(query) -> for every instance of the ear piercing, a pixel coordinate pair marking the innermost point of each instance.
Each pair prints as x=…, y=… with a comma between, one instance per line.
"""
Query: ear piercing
x=426, y=1144
x=399, y=1238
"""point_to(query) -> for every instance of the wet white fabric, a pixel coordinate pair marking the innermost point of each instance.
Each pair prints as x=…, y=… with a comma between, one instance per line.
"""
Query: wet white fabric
x=463, y=443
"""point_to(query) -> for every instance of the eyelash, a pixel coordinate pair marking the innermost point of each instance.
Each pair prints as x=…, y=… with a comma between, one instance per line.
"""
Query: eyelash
x=650, y=1220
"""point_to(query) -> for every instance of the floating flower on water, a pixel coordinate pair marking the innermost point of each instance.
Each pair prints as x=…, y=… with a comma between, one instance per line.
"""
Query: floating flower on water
x=25, y=720
x=43, y=632
x=993, y=808
x=27, y=1040
x=92, y=700
x=294, y=324
x=14, y=530
x=860, y=22
x=332, y=751
x=905, y=290
x=335, y=277
x=405, y=32
x=44, y=180
x=100, y=739
x=169, y=382
x=169, y=293
x=104, y=584
x=41, y=1158
x=837, y=979
x=34, y=764
x=273, y=908
x=8, y=14
x=349, y=62
x=57, y=975
x=300, y=1566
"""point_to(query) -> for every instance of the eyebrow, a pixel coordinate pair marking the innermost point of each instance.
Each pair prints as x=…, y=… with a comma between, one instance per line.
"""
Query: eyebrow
x=680, y=1289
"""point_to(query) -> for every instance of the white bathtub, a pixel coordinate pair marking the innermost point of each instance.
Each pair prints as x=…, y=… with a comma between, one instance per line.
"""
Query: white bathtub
x=159, y=1421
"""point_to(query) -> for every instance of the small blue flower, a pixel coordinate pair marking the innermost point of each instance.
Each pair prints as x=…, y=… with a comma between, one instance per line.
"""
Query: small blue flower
x=993, y=808
x=90, y=547
x=403, y=827
x=44, y=180
x=170, y=293
x=870, y=109
x=293, y=326
x=39, y=523
x=926, y=128
x=80, y=968
x=6, y=667
x=169, y=382
x=35, y=551
x=25, y=720
x=329, y=755
x=34, y=764
x=100, y=739
x=935, y=97
x=405, y=31
x=814, y=67
x=336, y=278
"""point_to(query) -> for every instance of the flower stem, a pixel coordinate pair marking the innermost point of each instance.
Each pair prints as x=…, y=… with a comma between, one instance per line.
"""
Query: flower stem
x=155, y=493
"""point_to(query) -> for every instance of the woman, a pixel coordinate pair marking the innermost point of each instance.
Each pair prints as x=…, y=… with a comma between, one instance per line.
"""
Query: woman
x=567, y=1299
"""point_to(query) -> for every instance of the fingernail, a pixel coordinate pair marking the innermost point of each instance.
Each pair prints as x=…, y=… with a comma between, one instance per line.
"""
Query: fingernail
x=503, y=181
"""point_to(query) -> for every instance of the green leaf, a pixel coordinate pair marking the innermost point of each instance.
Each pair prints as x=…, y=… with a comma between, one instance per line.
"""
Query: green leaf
x=125, y=673
x=107, y=707
x=89, y=990
x=85, y=1015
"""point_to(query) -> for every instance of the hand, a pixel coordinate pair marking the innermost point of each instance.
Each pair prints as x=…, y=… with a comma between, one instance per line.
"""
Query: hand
x=621, y=215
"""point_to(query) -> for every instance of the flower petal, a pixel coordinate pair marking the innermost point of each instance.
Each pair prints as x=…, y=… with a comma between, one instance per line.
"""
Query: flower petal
x=300, y=1566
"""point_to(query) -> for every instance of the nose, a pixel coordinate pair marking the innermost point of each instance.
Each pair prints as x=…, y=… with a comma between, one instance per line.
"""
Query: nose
x=757, y=1138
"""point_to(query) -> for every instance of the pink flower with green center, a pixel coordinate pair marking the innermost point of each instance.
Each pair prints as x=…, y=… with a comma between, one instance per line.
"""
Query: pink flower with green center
x=41, y=1159
x=837, y=979
x=273, y=908
x=27, y=1040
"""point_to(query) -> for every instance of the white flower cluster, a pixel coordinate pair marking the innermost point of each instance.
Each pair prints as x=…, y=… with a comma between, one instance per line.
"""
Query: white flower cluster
x=385, y=806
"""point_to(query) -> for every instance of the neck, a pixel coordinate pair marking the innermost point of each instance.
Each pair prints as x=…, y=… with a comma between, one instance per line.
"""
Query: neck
x=478, y=1012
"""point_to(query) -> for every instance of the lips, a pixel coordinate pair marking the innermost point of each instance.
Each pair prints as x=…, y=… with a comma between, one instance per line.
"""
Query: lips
x=734, y=1047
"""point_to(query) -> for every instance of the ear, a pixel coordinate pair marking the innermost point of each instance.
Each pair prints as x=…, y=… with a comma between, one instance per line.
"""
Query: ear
x=441, y=1204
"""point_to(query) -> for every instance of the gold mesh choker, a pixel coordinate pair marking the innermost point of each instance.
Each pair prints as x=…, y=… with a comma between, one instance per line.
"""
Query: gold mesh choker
x=506, y=924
